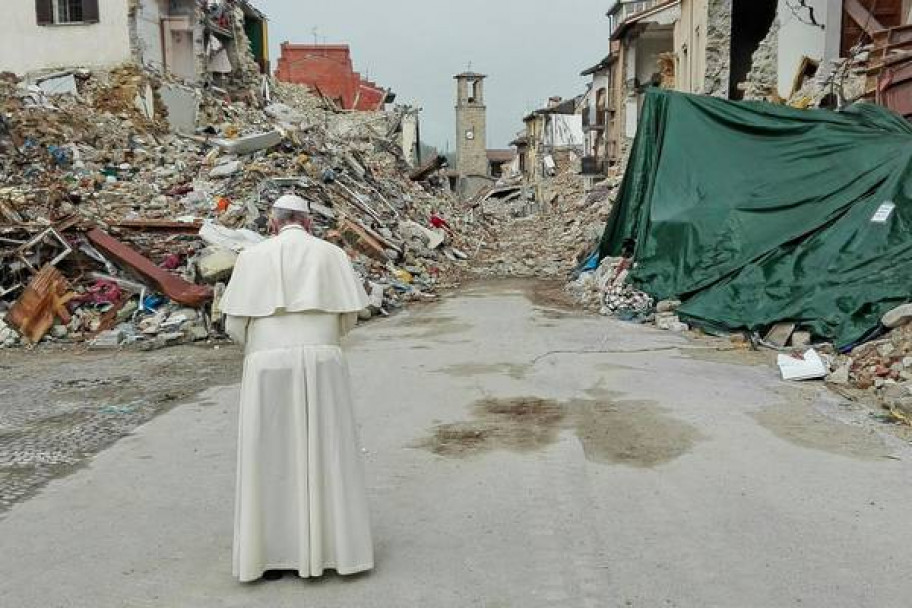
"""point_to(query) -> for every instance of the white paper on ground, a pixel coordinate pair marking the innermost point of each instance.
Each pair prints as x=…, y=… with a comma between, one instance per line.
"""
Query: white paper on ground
x=811, y=367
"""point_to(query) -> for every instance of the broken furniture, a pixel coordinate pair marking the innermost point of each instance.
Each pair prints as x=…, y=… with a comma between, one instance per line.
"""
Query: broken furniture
x=41, y=303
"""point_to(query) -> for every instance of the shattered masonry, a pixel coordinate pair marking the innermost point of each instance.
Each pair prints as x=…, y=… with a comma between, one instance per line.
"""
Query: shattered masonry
x=718, y=49
x=151, y=219
x=762, y=80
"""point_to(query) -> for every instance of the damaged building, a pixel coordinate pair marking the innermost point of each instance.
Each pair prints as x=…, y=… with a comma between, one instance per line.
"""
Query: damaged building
x=552, y=140
x=734, y=49
x=328, y=70
x=222, y=42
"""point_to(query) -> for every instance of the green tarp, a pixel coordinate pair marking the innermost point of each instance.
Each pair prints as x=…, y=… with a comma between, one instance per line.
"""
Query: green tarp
x=754, y=213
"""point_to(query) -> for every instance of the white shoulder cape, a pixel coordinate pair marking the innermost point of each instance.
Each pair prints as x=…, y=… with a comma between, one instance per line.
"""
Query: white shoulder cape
x=293, y=272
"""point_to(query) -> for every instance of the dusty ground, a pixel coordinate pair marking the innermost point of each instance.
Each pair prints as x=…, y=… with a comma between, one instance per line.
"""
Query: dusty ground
x=58, y=408
x=518, y=454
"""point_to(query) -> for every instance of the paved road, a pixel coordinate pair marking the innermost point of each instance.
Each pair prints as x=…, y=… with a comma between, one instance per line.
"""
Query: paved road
x=518, y=456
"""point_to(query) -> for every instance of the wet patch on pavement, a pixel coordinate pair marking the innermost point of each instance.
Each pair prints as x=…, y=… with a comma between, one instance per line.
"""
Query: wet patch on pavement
x=432, y=326
x=635, y=433
x=611, y=431
x=798, y=422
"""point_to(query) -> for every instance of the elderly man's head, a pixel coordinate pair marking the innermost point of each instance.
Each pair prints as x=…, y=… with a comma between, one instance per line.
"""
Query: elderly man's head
x=290, y=210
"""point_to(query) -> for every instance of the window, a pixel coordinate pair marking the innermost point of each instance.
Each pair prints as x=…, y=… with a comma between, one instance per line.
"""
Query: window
x=68, y=11
x=58, y=12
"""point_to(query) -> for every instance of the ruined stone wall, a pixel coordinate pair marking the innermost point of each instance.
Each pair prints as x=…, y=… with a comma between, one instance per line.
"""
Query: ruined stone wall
x=763, y=80
x=718, y=48
x=246, y=74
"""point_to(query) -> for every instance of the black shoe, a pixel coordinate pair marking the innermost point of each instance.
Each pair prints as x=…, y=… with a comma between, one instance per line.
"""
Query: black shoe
x=273, y=575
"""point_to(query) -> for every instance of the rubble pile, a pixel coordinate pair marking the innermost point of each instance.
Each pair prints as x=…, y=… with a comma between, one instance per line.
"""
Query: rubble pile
x=142, y=223
x=525, y=238
x=883, y=367
x=838, y=84
x=605, y=290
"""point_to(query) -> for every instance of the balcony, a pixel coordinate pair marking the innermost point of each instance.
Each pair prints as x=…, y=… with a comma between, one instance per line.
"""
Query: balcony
x=625, y=9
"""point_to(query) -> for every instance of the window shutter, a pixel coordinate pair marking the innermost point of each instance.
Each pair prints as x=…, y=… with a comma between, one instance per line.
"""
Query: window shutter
x=90, y=11
x=44, y=12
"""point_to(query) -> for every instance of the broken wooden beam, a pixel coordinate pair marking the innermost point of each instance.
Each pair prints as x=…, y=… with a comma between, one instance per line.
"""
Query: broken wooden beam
x=863, y=17
x=362, y=240
x=170, y=285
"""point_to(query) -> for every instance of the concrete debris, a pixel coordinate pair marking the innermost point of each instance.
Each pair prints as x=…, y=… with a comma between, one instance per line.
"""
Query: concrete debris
x=249, y=144
x=108, y=339
x=897, y=317
x=141, y=208
x=216, y=264
x=543, y=229
x=668, y=306
x=880, y=369
x=801, y=339
x=226, y=169
x=779, y=334
x=607, y=290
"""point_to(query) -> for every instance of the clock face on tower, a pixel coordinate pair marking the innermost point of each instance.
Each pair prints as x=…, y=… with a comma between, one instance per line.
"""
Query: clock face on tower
x=470, y=134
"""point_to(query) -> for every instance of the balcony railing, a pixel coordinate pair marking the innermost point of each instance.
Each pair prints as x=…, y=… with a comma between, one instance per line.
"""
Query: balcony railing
x=625, y=9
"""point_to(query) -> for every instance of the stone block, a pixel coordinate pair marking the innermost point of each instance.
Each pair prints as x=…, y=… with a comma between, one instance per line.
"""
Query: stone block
x=839, y=376
x=668, y=306
x=779, y=334
x=801, y=339
x=108, y=339
x=216, y=265
x=226, y=169
x=897, y=317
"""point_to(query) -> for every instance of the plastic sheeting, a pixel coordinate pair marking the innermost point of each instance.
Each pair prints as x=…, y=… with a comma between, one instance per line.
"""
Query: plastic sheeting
x=754, y=213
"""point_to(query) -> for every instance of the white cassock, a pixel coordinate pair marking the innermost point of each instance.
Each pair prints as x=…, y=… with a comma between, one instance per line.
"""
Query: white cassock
x=301, y=502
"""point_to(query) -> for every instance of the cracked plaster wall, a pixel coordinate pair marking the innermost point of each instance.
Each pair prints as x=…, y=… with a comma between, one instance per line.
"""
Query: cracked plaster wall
x=705, y=34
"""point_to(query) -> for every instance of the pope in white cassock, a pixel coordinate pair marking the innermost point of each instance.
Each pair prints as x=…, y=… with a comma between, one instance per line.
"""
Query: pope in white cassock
x=301, y=501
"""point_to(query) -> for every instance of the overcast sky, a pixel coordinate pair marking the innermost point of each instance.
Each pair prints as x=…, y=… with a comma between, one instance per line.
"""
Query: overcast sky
x=530, y=49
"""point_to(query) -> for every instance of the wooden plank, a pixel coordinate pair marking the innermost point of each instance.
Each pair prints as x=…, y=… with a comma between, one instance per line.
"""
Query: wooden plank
x=863, y=17
x=43, y=301
x=172, y=286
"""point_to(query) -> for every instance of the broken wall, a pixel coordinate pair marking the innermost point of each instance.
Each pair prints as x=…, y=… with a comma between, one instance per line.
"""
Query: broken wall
x=564, y=131
x=704, y=44
x=164, y=36
x=717, y=61
x=763, y=79
x=410, y=143
x=810, y=28
x=146, y=36
x=650, y=46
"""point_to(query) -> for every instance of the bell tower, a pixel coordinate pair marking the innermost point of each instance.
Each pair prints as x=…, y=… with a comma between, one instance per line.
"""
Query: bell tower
x=471, y=126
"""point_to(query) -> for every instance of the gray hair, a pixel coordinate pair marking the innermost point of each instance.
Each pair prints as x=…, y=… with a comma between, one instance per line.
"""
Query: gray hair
x=287, y=216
